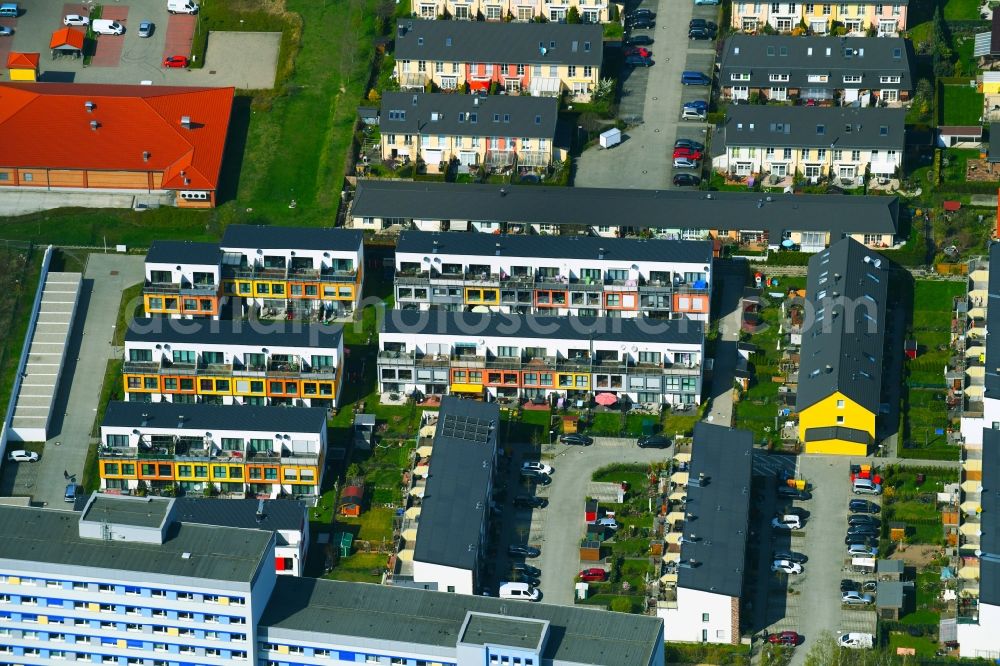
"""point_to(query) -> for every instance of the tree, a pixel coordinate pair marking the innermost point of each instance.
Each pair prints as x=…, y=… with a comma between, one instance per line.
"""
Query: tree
x=573, y=15
x=941, y=55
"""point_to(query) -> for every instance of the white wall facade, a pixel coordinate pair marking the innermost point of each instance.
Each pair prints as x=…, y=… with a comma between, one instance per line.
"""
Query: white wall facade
x=699, y=617
x=981, y=641
x=448, y=579
x=183, y=272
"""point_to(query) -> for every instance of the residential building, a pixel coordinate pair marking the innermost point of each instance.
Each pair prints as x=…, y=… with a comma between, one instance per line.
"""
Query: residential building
x=974, y=377
x=499, y=131
x=541, y=59
x=816, y=69
x=237, y=450
x=840, y=372
x=583, y=275
x=448, y=525
x=233, y=362
x=887, y=19
x=712, y=524
x=990, y=86
x=843, y=143
x=131, y=581
x=746, y=219
x=986, y=45
x=273, y=271
x=508, y=357
x=590, y=11
x=162, y=141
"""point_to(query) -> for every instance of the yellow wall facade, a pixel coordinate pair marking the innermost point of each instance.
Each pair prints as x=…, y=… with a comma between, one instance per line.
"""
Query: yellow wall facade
x=824, y=414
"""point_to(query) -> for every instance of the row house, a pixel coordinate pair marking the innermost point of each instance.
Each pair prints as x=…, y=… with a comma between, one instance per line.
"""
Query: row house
x=540, y=59
x=276, y=271
x=239, y=451
x=584, y=276
x=556, y=11
x=746, y=219
x=888, y=19
x=498, y=132
x=233, y=362
x=844, y=143
x=816, y=69
x=508, y=357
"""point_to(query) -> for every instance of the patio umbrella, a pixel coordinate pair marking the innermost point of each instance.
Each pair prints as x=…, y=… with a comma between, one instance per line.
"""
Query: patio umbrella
x=606, y=399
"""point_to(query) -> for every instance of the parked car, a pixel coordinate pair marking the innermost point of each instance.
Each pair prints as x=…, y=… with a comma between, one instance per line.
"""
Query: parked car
x=790, y=556
x=688, y=113
x=703, y=23
x=576, y=439
x=846, y=585
x=686, y=180
x=637, y=50
x=787, y=567
x=863, y=519
x=537, y=467
x=866, y=487
x=521, y=567
x=706, y=2
x=76, y=20
x=687, y=152
x=855, y=598
x=530, y=502
x=700, y=33
x=608, y=522
x=641, y=12
x=22, y=456
x=863, y=506
x=6, y=31
x=860, y=537
x=784, y=638
x=146, y=29
x=517, y=577
x=695, y=79
x=653, y=442
x=699, y=104
x=521, y=591
x=638, y=61
x=862, y=550
x=638, y=40
x=175, y=62
x=856, y=640
x=523, y=551
x=793, y=493
x=640, y=22
x=685, y=163
x=593, y=575
x=107, y=27
x=536, y=477
x=71, y=492
x=865, y=530
x=689, y=143
x=787, y=522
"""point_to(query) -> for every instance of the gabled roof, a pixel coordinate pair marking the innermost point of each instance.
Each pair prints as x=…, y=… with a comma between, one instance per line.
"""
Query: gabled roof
x=836, y=127
x=17, y=60
x=67, y=37
x=250, y=236
x=989, y=520
x=994, y=142
x=278, y=514
x=842, y=349
x=992, y=378
x=802, y=57
x=47, y=125
x=493, y=42
x=961, y=130
x=469, y=115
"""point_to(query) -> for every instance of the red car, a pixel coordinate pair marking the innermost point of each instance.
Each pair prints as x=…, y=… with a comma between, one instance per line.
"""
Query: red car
x=594, y=575
x=687, y=152
x=637, y=50
x=175, y=61
x=784, y=638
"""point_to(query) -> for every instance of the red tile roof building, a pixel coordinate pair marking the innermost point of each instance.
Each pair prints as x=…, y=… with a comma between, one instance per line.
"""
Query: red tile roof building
x=111, y=137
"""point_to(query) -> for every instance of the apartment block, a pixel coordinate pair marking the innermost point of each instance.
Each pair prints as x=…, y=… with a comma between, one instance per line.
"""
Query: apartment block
x=555, y=11
x=275, y=272
x=508, y=357
x=744, y=219
x=974, y=386
x=233, y=362
x=237, y=450
x=583, y=275
x=843, y=144
x=538, y=59
x=887, y=19
x=498, y=132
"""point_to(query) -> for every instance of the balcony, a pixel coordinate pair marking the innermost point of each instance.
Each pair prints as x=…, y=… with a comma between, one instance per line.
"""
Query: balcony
x=181, y=288
x=482, y=277
x=539, y=364
x=294, y=274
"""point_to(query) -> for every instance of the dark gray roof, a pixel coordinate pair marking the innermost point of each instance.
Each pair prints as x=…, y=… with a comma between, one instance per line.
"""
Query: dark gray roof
x=989, y=541
x=483, y=629
x=994, y=152
x=52, y=537
x=573, y=206
x=184, y=252
x=291, y=238
x=469, y=115
x=574, y=247
x=721, y=506
x=890, y=594
x=199, y=416
x=118, y=510
x=799, y=57
x=279, y=514
x=577, y=635
x=814, y=127
x=456, y=497
x=614, y=329
x=490, y=42
x=891, y=566
x=992, y=379
x=838, y=432
x=234, y=332
x=842, y=351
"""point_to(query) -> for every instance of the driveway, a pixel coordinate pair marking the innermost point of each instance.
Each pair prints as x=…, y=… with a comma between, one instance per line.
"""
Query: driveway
x=23, y=201
x=75, y=410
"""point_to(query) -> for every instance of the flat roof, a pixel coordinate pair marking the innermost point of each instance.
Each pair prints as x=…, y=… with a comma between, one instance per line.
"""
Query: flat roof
x=277, y=514
x=836, y=214
x=184, y=252
x=201, y=417
x=251, y=236
x=52, y=537
x=500, y=324
x=244, y=333
x=145, y=512
x=989, y=520
x=715, y=559
x=381, y=613
x=456, y=497
x=484, y=629
x=573, y=247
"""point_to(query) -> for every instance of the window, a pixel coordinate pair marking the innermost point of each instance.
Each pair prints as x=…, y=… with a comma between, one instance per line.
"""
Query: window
x=741, y=76
x=778, y=77
x=826, y=10
x=889, y=79
x=852, y=78
x=704, y=617
x=572, y=71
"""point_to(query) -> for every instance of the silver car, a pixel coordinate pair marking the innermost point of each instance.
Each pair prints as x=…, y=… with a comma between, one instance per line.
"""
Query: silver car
x=685, y=163
x=855, y=598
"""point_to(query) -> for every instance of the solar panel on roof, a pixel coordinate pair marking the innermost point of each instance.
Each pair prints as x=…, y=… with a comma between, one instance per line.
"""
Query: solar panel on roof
x=465, y=427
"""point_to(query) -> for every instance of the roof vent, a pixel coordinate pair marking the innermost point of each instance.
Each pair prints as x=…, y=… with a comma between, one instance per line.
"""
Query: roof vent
x=89, y=106
x=503, y=191
x=600, y=253
x=145, y=156
x=828, y=369
x=498, y=249
x=185, y=556
x=435, y=248
x=145, y=419
x=401, y=31
x=186, y=122
x=260, y=511
x=475, y=101
x=180, y=421
x=94, y=125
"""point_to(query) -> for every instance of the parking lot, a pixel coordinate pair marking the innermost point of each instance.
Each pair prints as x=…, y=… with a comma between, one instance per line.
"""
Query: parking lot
x=651, y=102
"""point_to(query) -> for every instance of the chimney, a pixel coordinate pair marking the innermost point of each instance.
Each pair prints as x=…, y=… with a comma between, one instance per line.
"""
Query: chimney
x=186, y=122
x=475, y=101
x=600, y=253
x=180, y=421
x=498, y=249
x=145, y=156
x=260, y=511
x=435, y=249
x=89, y=106
x=503, y=191
x=94, y=125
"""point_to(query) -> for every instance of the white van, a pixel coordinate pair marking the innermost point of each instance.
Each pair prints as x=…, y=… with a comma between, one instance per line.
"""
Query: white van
x=182, y=6
x=107, y=27
x=521, y=591
x=856, y=640
x=866, y=487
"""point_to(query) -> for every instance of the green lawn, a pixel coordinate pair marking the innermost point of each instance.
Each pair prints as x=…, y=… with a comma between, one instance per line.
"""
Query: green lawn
x=20, y=271
x=961, y=10
x=360, y=568
x=924, y=645
x=962, y=105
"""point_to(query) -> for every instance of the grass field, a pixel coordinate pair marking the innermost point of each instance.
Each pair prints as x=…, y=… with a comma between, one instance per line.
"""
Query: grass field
x=19, y=274
x=961, y=10
x=962, y=105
